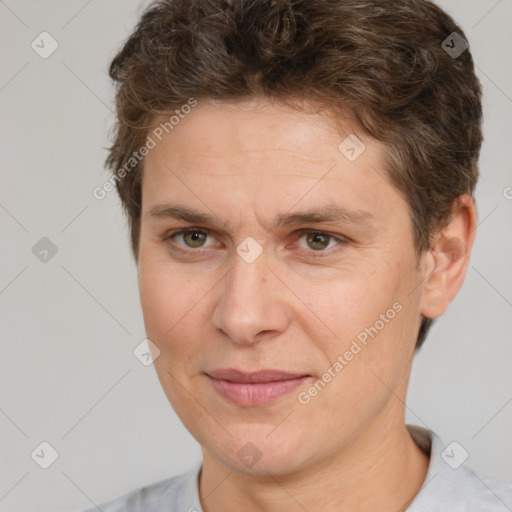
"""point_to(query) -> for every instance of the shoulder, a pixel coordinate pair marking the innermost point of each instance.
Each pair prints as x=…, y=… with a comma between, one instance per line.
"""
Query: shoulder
x=483, y=492
x=468, y=490
x=451, y=485
x=176, y=492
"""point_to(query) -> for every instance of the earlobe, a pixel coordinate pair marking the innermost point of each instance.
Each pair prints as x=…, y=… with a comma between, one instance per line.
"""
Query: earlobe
x=448, y=259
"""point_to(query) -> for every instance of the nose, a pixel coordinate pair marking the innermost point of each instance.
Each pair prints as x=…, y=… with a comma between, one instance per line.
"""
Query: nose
x=253, y=305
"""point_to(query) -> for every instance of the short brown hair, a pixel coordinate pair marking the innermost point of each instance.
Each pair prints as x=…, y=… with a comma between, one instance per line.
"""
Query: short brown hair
x=382, y=59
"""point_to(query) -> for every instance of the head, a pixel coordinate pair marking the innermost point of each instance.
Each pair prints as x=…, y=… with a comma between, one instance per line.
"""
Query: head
x=325, y=153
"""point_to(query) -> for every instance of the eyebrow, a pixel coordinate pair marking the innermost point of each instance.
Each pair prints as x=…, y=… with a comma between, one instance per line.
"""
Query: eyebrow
x=327, y=213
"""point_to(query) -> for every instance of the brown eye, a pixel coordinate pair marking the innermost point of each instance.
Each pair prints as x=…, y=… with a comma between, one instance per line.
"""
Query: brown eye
x=318, y=241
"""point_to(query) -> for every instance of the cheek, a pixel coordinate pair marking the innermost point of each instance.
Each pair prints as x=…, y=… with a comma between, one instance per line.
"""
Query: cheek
x=369, y=361
x=372, y=325
x=170, y=303
x=347, y=305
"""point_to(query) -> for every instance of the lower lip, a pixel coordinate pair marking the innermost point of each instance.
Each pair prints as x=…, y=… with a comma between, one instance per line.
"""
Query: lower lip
x=258, y=394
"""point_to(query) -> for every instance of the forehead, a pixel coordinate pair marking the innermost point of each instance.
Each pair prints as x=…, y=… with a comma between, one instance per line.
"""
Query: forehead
x=254, y=152
x=254, y=127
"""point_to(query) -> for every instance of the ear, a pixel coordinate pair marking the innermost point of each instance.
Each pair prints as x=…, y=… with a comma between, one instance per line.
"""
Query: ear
x=445, y=264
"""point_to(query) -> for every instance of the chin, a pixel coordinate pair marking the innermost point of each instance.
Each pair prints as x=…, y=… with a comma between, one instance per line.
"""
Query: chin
x=256, y=453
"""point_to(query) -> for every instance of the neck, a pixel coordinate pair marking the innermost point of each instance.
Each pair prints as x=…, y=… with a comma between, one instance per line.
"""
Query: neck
x=381, y=469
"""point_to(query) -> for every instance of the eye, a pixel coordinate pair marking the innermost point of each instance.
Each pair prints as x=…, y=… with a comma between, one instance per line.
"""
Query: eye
x=192, y=238
x=311, y=241
x=317, y=240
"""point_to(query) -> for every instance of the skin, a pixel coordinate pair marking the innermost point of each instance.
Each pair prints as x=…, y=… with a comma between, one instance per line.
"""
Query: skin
x=296, y=308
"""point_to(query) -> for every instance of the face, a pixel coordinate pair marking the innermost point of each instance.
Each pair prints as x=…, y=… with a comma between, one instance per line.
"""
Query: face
x=278, y=280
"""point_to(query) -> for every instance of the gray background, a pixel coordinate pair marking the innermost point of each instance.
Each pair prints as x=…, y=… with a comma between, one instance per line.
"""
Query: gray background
x=70, y=325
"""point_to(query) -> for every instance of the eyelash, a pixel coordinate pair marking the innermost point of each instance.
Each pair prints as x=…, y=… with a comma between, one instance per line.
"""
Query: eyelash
x=299, y=234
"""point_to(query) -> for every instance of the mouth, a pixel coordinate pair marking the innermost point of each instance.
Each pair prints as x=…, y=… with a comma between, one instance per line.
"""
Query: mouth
x=255, y=389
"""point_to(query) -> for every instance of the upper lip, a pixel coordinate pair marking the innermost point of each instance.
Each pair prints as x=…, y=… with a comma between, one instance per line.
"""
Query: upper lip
x=253, y=377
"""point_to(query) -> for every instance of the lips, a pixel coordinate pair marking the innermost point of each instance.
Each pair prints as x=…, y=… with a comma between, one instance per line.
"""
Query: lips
x=255, y=389
x=253, y=377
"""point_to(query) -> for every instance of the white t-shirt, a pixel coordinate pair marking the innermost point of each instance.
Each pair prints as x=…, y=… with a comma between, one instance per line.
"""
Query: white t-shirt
x=449, y=486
